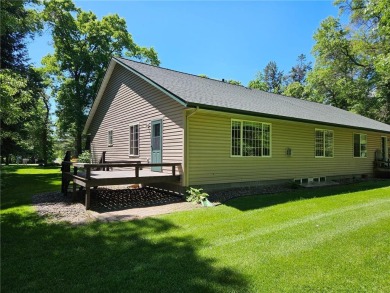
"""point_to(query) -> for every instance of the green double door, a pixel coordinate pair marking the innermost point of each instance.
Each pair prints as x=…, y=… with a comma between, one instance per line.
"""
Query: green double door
x=156, y=139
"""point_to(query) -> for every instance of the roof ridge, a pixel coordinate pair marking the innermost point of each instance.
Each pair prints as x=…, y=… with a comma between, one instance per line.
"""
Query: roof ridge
x=186, y=73
x=223, y=82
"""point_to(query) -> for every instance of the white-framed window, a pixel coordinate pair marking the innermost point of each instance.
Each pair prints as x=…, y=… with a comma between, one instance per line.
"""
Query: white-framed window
x=360, y=145
x=110, y=135
x=134, y=140
x=250, y=139
x=324, y=143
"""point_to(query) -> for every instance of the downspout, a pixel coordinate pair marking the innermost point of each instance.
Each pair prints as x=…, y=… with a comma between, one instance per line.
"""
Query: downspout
x=187, y=160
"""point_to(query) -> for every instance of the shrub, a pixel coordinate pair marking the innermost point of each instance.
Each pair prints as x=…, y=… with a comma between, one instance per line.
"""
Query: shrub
x=196, y=195
x=84, y=157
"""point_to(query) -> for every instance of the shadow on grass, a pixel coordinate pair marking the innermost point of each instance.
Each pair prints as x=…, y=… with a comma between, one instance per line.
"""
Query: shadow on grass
x=265, y=200
x=147, y=255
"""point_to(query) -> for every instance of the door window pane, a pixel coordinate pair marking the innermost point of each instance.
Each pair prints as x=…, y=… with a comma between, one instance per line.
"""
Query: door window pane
x=134, y=140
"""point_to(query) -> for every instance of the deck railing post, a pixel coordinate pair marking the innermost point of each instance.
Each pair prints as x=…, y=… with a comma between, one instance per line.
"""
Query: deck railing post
x=136, y=171
x=88, y=172
x=173, y=170
x=87, y=198
x=65, y=167
x=104, y=160
x=75, y=170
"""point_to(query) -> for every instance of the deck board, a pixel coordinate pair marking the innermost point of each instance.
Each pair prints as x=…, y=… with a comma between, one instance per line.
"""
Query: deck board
x=123, y=174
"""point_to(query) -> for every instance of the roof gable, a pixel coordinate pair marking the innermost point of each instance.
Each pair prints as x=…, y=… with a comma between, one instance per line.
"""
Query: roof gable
x=105, y=81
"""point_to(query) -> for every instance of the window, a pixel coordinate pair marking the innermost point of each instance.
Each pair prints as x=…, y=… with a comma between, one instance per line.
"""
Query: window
x=109, y=137
x=250, y=139
x=324, y=143
x=360, y=145
x=134, y=140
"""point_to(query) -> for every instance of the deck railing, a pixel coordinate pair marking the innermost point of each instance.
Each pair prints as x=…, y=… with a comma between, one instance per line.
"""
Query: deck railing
x=382, y=164
x=136, y=164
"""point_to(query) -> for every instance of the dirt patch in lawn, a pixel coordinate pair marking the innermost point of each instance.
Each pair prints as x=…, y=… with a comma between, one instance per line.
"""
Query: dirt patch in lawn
x=108, y=205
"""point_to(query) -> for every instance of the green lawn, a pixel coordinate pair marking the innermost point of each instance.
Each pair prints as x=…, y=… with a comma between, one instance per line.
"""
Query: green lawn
x=334, y=239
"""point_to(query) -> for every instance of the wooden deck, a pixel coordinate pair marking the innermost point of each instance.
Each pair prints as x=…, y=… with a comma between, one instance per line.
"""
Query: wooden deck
x=134, y=173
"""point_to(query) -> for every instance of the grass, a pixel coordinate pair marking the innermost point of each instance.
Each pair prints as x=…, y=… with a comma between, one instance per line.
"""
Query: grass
x=334, y=239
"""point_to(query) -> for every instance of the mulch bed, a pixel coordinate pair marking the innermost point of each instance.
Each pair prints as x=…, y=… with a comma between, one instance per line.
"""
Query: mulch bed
x=224, y=195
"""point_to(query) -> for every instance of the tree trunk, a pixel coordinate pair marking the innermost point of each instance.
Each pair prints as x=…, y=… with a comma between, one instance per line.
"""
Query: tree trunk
x=79, y=142
x=45, y=132
x=79, y=118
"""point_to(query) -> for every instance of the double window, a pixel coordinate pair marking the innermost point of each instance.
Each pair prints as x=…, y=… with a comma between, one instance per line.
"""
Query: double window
x=134, y=140
x=250, y=139
x=324, y=143
x=360, y=145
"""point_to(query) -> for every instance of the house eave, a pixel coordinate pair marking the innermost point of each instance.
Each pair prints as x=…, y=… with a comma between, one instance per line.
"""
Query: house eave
x=266, y=115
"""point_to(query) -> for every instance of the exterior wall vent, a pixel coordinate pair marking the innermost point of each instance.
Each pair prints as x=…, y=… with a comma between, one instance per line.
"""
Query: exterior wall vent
x=309, y=180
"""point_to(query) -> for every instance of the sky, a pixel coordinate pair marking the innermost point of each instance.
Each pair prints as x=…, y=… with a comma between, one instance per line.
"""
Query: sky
x=222, y=39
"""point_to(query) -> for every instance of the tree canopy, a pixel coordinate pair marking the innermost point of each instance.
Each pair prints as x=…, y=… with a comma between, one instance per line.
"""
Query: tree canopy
x=270, y=80
x=83, y=47
x=21, y=88
x=352, y=68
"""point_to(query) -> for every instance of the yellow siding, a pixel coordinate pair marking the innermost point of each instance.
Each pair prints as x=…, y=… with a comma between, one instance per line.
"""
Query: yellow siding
x=130, y=100
x=209, y=160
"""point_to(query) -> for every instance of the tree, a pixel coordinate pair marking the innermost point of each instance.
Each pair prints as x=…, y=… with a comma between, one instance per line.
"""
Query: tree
x=270, y=80
x=296, y=79
x=235, y=82
x=258, y=83
x=19, y=90
x=40, y=135
x=296, y=90
x=83, y=47
x=353, y=60
x=299, y=72
x=17, y=23
x=15, y=98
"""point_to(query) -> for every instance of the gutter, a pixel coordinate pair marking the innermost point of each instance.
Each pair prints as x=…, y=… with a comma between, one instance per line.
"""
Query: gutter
x=186, y=158
x=257, y=114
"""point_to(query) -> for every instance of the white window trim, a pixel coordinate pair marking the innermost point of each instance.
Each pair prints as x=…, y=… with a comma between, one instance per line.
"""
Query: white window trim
x=360, y=143
x=139, y=131
x=241, y=140
x=108, y=137
x=324, y=131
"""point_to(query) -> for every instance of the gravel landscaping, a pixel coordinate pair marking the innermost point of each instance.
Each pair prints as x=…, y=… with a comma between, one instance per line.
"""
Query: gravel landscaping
x=57, y=208
x=113, y=204
x=107, y=205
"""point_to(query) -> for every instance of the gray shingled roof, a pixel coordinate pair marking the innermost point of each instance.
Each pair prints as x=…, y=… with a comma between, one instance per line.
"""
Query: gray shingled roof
x=194, y=91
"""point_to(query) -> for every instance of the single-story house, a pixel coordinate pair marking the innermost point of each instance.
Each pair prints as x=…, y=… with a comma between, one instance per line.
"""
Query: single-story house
x=224, y=134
